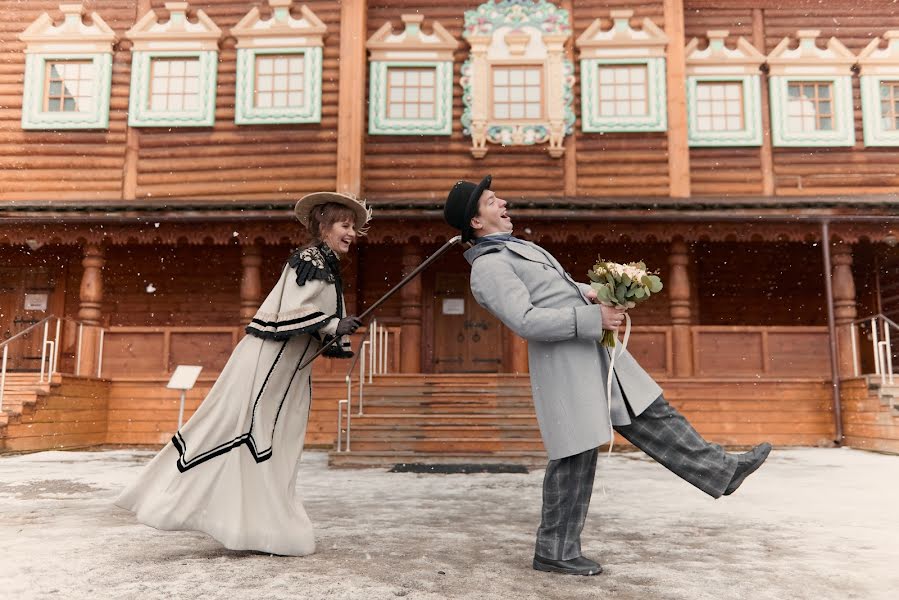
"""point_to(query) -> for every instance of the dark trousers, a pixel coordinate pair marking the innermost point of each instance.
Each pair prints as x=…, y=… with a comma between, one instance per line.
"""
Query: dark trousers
x=662, y=433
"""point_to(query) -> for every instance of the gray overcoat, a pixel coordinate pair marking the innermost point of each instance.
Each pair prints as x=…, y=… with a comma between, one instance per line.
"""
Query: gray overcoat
x=527, y=289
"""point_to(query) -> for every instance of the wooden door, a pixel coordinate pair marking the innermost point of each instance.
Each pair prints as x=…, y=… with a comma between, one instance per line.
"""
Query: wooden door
x=467, y=338
x=25, y=294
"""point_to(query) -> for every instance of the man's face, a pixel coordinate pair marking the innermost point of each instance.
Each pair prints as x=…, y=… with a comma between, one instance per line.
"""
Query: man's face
x=492, y=216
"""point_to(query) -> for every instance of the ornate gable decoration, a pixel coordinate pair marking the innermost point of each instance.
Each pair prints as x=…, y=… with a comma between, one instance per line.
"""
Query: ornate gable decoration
x=279, y=66
x=173, y=69
x=411, y=80
x=517, y=85
x=880, y=90
x=723, y=92
x=623, y=76
x=811, y=92
x=68, y=72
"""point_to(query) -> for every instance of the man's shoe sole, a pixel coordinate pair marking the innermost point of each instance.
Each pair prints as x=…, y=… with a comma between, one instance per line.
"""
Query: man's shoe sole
x=538, y=566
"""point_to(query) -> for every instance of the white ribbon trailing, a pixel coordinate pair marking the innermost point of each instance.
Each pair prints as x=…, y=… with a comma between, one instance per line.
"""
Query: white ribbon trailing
x=614, y=352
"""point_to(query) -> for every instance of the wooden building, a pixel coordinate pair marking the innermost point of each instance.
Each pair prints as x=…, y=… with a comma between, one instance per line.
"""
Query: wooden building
x=151, y=152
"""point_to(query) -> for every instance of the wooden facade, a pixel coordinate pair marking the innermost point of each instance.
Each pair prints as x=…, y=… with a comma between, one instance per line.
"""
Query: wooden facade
x=167, y=238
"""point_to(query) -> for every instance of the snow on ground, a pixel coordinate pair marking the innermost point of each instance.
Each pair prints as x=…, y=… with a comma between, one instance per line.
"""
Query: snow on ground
x=812, y=523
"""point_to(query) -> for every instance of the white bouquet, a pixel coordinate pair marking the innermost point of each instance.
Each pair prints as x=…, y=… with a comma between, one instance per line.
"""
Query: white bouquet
x=622, y=285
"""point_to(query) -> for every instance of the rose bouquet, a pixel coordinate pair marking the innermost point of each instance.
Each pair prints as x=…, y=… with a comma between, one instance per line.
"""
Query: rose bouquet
x=622, y=285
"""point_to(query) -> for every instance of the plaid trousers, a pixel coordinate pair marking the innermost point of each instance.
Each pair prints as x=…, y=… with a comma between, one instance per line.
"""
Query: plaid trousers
x=662, y=433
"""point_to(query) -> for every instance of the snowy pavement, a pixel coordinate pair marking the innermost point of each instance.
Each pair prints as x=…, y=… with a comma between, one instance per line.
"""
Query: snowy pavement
x=812, y=523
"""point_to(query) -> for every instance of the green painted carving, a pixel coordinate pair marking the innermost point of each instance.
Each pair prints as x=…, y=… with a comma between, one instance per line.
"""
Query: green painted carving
x=245, y=113
x=876, y=132
x=379, y=123
x=33, y=114
x=750, y=135
x=139, y=112
x=515, y=14
x=656, y=118
x=843, y=132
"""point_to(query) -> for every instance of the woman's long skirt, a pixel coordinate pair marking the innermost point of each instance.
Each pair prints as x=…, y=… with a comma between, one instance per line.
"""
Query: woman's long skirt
x=231, y=470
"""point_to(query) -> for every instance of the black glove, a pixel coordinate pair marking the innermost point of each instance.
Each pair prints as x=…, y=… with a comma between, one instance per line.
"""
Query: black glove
x=348, y=325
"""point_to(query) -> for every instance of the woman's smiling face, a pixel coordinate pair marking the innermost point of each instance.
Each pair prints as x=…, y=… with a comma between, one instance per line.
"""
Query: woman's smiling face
x=341, y=235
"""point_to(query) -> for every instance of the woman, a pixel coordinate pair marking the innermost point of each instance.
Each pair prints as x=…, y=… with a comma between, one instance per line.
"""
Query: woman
x=231, y=470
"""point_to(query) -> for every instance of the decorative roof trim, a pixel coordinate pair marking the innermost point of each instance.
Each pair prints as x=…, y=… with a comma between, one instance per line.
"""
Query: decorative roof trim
x=252, y=31
x=621, y=39
x=412, y=43
x=72, y=35
x=178, y=33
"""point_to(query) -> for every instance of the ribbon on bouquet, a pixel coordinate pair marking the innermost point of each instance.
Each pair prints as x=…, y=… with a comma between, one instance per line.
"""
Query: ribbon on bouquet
x=614, y=353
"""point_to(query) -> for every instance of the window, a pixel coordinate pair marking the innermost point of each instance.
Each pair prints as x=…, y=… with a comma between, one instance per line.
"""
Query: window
x=809, y=106
x=68, y=71
x=175, y=84
x=622, y=90
x=279, y=81
x=889, y=105
x=174, y=64
x=811, y=92
x=411, y=93
x=411, y=79
x=279, y=66
x=517, y=93
x=719, y=106
x=69, y=86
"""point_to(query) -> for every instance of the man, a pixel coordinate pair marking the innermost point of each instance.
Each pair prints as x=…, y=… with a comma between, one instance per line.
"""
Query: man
x=528, y=290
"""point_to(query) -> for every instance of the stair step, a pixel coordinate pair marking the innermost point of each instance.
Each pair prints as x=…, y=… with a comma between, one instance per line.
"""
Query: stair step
x=449, y=444
x=365, y=432
x=389, y=459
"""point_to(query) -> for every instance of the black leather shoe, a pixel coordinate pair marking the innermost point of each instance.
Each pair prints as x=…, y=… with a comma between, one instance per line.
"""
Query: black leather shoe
x=746, y=465
x=573, y=566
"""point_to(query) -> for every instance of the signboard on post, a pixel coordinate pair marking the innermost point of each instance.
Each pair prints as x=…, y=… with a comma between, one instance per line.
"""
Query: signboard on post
x=184, y=378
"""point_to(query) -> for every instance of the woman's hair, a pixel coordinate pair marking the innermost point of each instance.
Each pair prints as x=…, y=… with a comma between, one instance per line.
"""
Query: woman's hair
x=323, y=217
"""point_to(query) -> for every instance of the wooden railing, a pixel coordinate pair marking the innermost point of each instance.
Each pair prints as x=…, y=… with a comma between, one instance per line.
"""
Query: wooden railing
x=718, y=351
x=154, y=352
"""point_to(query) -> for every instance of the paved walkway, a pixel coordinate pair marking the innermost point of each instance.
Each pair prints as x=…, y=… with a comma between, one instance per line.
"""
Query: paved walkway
x=812, y=523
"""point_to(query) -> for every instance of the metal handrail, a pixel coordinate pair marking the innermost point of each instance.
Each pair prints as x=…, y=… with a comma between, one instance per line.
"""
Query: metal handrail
x=7, y=341
x=346, y=405
x=882, y=345
x=50, y=349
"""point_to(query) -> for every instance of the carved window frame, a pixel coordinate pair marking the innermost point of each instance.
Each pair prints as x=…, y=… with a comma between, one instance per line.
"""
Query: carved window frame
x=719, y=64
x=70, y=41
x=623, y=45
x=809, y=63
x=878, y=66
x=280, y=35
x=155, y=40
x=410, y=49
x=508, y=33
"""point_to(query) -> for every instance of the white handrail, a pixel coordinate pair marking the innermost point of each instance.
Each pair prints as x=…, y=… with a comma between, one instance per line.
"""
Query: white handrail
x=3, y=375
x=881, y=345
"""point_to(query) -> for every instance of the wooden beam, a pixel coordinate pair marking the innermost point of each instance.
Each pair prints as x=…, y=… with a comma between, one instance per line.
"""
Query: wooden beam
x=678, y=148
x=570, y=165
x=351, y=95
x=766, y=154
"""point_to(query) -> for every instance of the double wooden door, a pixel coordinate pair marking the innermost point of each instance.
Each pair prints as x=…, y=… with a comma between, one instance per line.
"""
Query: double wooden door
x=467, y=338
x=25, y=295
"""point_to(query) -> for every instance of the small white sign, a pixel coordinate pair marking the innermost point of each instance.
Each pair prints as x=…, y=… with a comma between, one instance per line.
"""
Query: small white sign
x=35, y=301
x=454, y=306
x=184, y=377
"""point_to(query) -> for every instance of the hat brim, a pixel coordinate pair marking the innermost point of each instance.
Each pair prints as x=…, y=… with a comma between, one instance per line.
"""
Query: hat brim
x=304, y=207
x=471, y=209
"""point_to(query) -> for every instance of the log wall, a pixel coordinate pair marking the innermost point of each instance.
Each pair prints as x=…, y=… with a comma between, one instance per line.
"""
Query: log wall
x=868, y=422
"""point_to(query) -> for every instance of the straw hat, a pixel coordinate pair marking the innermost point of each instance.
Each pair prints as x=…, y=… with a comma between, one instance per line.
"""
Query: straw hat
x=305, y=205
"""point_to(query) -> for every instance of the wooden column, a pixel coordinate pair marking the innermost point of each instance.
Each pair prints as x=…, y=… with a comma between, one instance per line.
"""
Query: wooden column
x=89, y=308
x=250, y=282
x=410, y=312
x=351, y=95
x=766, y=153
x=678, y=148
x=844, y=305
x=516, y=354
x=681, y=317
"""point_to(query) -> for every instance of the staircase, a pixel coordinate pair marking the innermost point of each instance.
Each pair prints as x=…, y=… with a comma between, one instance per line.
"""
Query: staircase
x=20, y=397
x=887, y=393
x=444, y=419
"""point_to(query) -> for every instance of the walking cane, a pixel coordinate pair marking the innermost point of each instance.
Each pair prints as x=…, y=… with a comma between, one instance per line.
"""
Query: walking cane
x=389, y=293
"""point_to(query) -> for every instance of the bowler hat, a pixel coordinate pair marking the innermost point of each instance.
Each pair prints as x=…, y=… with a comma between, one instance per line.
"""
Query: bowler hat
x=462, y=204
